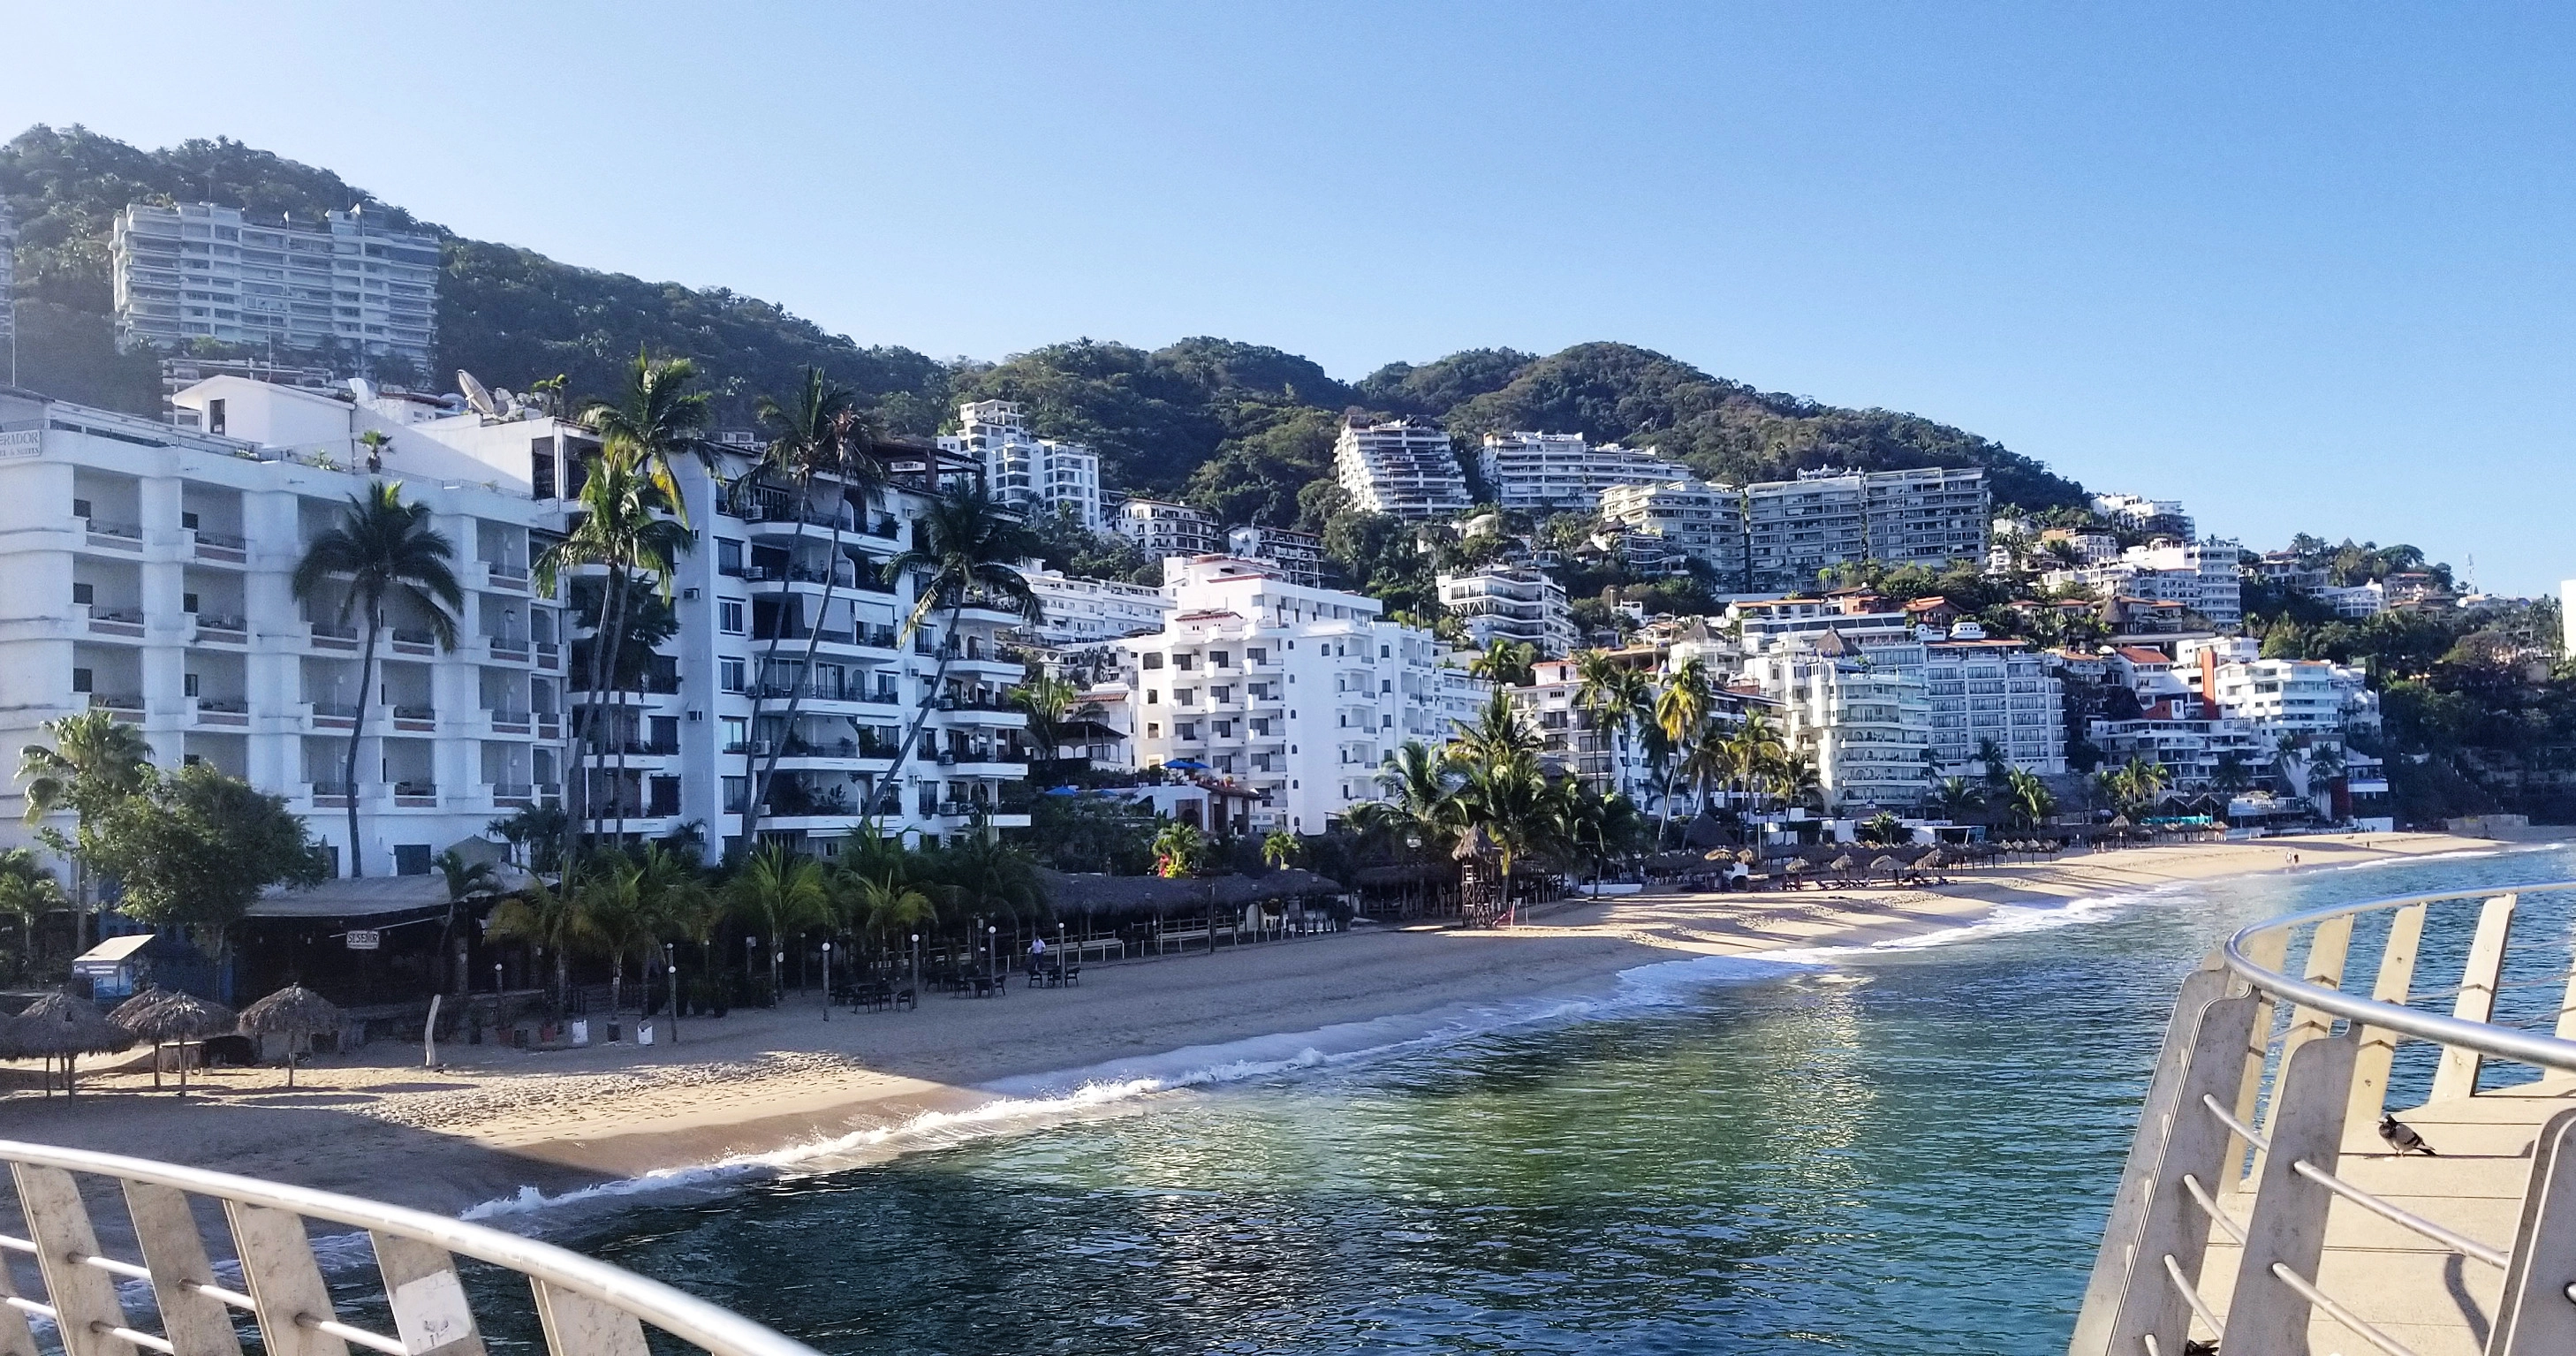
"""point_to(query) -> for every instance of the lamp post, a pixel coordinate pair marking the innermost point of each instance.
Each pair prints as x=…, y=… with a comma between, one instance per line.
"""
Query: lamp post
x=916, y=972
x=671, y=981
x=992, y=962
x=827, y=981
x=749, y=962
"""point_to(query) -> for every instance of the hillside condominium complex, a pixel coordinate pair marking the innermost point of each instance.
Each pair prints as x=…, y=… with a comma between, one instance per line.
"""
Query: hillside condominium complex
x=1514, y=604
x=1035, y=475
x=8, y=298
x=1776, y=536
x=1557, y=472
x=2206, y=578
x=1163, y=530
x=1295, y=695
x=1401, y=468
x=348, y=284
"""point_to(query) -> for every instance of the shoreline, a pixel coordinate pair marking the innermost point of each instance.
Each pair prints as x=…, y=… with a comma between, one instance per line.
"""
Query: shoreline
x=785, y=1084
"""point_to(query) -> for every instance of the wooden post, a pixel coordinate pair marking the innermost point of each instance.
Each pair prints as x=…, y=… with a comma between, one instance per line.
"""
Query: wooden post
x=284, y=1282
x=2457, y=1075
x=2535, y=1318
x=2115, y=1266
x=2194, y=1145
x=2379, y=1045
x=2266, y=1317
x=175, y=1253
x=577, y=1325
x=84, y=1297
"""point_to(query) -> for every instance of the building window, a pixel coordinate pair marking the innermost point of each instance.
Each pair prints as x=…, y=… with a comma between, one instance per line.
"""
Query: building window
x=81, y=680
x=729, y=558
x=214, y=416
x=541, y=467
x=1256, y=655
x=729, y=616
x=737, y=732
x=84, y=594
x=730, y=675
x=1153, y=661
x=411, y=859
x=188, y=684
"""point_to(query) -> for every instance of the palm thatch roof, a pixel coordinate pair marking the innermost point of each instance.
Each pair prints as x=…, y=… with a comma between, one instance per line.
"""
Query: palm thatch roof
x=1886, y=863
x=1930, y=860
x=125, y=1014
x=1844, y=862
x=1799, y=864
x=1473, y=844
x=180, y=1017
x=59, y=1024
x=1089, y=893
x=293, y=1010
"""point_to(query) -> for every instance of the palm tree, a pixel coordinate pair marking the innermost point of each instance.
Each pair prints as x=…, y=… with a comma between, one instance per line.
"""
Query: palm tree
x=1680, y=712
x=96, y=762
x=1048, y=700
x=1711, y=762
x=383, y=548
x=1990, y=756
x=1179, y=850
x=1280, y=849
x=27, y=893
x=964, y=547
x=465, y=880
x=1758, y=750
x=820, y=433
x=780, y=892
x=618, y=919
x=2230, y=776
x=676, y=898
x=2029, y=798
x=549, y=918
x=1498, y=735
x=1955, y=798
x=887, y=909
x=1504, y=663
x=1420, y=781
x=1509, y=801
x=628, y=523
x=1793, y=780
x=1616, y=697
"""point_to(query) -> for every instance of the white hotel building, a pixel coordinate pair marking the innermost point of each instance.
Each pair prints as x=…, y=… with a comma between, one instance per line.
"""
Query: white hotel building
x=1401, y=468
x=1296, y=694
x=1517, y=604
x=347, y=283
x=1035, y=475
x=1557, y=472
x=1867, y=724
x=1699, y=518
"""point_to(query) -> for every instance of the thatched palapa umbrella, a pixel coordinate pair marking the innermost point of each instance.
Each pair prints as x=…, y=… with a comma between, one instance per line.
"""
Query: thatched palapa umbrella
x=1887, y=864
x=130, y=1012
x=180, y=1017
x=1842, y=866
x=292, y=1012
x=59, y=1026
x=1931, y=861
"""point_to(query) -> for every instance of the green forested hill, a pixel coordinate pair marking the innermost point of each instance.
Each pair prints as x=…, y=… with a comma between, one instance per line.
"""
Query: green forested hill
x=1241, y=429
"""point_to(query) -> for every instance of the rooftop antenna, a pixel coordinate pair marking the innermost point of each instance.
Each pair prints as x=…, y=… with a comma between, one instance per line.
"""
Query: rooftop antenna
x=476, y=398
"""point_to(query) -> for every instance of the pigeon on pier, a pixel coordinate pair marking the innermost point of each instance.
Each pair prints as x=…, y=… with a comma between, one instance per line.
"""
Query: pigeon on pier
x=2403, y=1139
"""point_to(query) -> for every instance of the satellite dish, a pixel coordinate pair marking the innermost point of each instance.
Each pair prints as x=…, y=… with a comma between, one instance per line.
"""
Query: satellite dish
x=476, y=398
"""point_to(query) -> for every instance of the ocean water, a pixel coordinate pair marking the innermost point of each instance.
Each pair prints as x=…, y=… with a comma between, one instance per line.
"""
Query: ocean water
x=1885, y=1151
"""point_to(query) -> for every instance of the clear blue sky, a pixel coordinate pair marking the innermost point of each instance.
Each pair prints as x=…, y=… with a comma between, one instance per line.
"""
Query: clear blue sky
x=2304, y=269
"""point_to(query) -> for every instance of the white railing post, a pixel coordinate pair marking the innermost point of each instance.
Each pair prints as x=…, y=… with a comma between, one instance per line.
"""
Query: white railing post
x=84, y=1297
x=2378, y=1054
x=2288, y=1227
x=194, y=1323
x=284, y=1281
x=2538, y=1315
x=431, y=1314
x=2269, y=951
x=16, y=1338
x=2457, y=1074
x=2115, y=1266
x=2196, y=1145
x=577, y=1325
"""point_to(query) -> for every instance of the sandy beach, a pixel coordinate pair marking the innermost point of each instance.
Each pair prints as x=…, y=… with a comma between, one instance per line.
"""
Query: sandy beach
x=495, y=1121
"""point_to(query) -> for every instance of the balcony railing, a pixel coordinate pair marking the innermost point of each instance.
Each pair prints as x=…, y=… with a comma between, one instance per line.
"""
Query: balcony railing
x=416, y=713
x=116, y=701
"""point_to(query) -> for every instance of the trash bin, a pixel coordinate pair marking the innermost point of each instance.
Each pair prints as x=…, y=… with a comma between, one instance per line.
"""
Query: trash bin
x=581, y=1032
x=644, y=1033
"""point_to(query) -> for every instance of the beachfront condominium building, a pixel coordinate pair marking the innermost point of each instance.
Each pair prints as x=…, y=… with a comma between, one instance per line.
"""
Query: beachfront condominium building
x=1038, y=476
x=2137, y=513
x=1298, y=555
x=1796, y=528
x=1081, y=613
x=1766, y=624
x=2205, y=578
x=351, y=285
x=1162, y=530
x=1928, y=515
x=1543, y=473
x=1695, y=518
x=1519, y=605
x=780, y=600
x=2307, y=697
x=153, y=568
x=1401, y=468
x=2191, y=746
x=1295, y=694
x=1867, y=725
x=1982, y=692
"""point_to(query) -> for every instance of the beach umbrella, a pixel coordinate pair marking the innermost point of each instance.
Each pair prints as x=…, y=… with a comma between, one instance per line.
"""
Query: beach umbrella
x=1719, y=855
x=294, y=1011
x=1187, y=764
x=1887, y=864
x=126, y=1013
x=180, y=1017
x=59, y=1026
x=1930, y=861
x=1842, y=865
x=1064, y=791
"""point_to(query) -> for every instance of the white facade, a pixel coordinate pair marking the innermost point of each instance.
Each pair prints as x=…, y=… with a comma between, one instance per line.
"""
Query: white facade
x=1083, y=612
x=1983, y=690
x=760, y=571
x=153, y=570
x=8, y=297
x=1795, y=528
x=1552, y=704
x=1698, y=518
x=2204, y=577
x=2142, y=514
x=1299, y=694
x=1773, y=623
x=1929, y=515
x=1867, y=725
x=1164, y=530
x=1299, y=555
x=1038, y=475
x=2298, y=696
x=1557, y=472
x=1401, y=468
x=347, y=283
x=2191, y=749
x=1522, y=606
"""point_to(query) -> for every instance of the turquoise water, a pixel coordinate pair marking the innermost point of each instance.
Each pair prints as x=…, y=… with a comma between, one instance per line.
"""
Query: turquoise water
x=1893, y=1152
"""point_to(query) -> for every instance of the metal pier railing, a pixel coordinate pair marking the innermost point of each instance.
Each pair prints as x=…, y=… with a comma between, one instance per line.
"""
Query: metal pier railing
x=88, y=1300
x=2260, y=1211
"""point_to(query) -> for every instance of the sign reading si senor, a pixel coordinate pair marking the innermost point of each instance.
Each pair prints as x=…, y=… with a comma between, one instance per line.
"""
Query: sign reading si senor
x=364, y=939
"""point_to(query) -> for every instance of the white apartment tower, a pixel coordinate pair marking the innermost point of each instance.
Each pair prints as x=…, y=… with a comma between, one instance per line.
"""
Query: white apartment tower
x=1557, y=472
x=1296, y=694
x=1868, y=725
x=1085, y=612
x=1929, y=515
x=1515, y=604
x=1299, y=555
x=1981, y=690
x=1699, y=518
x=1401, y=468
x=1039, y=475
x=348, y=284
x=1163, y=530
x=152, y=573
